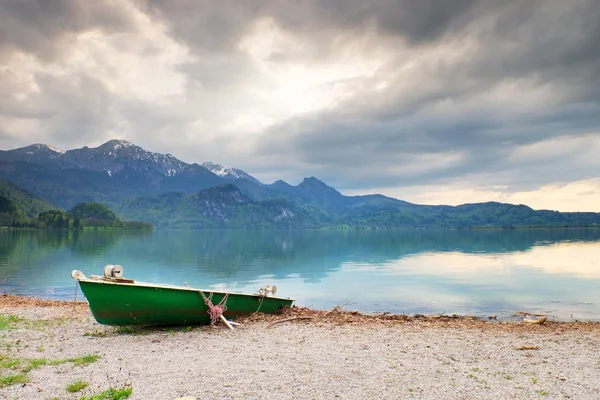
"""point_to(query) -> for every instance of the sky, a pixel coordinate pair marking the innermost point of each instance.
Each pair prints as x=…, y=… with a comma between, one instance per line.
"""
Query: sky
x=432, y=102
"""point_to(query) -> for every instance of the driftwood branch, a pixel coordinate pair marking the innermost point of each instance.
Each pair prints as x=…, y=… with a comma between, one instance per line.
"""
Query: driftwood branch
x=288, y=319
x=335, y=309
x=227, y=324
x=535, y=321
x=526, y=314
x=527, y=348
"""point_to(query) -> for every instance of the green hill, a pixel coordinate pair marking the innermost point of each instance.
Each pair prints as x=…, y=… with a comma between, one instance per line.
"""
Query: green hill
x=223, y=206
x=9, y=212
x=28, y=204
x=83, y=216
x=93, y=211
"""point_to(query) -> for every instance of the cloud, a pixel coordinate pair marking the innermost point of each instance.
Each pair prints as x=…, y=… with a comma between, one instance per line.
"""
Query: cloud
x=381, y=95
x=72, y=83
x=480, y=94
x=46, y=28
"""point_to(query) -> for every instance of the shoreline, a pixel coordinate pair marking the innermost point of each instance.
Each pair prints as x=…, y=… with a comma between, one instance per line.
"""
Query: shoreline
x=338, y=315
x=298, y=354
x=323, y=228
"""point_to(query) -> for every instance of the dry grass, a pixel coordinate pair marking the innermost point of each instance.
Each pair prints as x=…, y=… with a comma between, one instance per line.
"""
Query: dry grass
x=10, y=301
x=337, y=316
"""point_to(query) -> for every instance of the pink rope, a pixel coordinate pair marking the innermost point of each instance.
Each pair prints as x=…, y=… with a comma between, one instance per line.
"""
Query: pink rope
x=215, y=311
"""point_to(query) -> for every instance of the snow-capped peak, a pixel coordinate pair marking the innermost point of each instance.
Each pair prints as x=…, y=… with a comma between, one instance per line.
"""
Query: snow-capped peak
x=38, y=149
x=116, y=144
x=218, y=169
x=228, y=172
x=46, y=147
x=54, y=149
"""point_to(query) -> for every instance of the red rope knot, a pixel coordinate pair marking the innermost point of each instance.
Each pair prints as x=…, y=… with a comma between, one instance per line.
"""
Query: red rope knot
x=215, y=311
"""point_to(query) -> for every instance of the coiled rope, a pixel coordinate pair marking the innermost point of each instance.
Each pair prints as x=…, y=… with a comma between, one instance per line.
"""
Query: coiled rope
x=215, y=311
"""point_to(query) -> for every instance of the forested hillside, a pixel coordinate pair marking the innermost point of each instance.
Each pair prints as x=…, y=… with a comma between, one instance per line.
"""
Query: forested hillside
x=81, y=187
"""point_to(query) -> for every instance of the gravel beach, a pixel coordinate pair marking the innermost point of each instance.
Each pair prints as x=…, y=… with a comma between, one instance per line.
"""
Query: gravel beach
x=331, y=355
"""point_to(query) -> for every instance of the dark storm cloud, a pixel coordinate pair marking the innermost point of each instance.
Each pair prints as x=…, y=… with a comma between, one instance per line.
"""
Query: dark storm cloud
x=550, y=47
x=62, y=108
x=366, y=152
x=44, y=27
x=204, y=26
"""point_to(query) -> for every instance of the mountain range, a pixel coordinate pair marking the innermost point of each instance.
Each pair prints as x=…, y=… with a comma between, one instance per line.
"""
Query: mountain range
x=159, y=188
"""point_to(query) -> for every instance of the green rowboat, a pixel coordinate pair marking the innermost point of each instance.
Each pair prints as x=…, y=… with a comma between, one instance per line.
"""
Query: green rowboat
x=114, y=300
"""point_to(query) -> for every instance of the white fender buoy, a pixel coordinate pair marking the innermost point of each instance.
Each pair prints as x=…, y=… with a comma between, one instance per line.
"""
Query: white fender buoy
x=117, y=271
x=113, y=271
x=267, y=289
x=77, y=274
x=108, y=271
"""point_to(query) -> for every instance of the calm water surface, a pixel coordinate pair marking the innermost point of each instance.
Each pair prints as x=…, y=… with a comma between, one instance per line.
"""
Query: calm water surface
x=486, y=272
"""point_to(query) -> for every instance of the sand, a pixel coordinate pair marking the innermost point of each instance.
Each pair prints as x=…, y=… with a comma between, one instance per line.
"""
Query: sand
x=332, y=355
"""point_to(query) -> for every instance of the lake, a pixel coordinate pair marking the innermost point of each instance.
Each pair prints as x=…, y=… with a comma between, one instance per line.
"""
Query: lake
x=479, y=272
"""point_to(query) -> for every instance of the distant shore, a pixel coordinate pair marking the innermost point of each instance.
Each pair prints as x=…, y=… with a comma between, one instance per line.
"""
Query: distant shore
x=462, y=228
x=530, y=227
x=150, y=227
x=47, y=346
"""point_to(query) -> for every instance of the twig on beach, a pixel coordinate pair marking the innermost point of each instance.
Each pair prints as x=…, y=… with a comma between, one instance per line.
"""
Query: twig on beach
x=334, y=309
x=527, y=348
x=526, y=314
x=338, y=308
x=10, y=292
x=434, y=316
x=535, y=321
x=289, y=319
x=6, y=292
x=227, y=324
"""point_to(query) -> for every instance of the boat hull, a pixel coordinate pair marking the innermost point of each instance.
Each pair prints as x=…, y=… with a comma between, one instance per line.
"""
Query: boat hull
x=114, y=303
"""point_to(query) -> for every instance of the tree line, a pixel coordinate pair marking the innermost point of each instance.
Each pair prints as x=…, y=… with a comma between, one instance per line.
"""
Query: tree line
x=82, y=216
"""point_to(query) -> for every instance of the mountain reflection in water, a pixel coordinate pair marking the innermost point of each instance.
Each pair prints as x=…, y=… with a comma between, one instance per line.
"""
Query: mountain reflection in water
x=482, y=272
